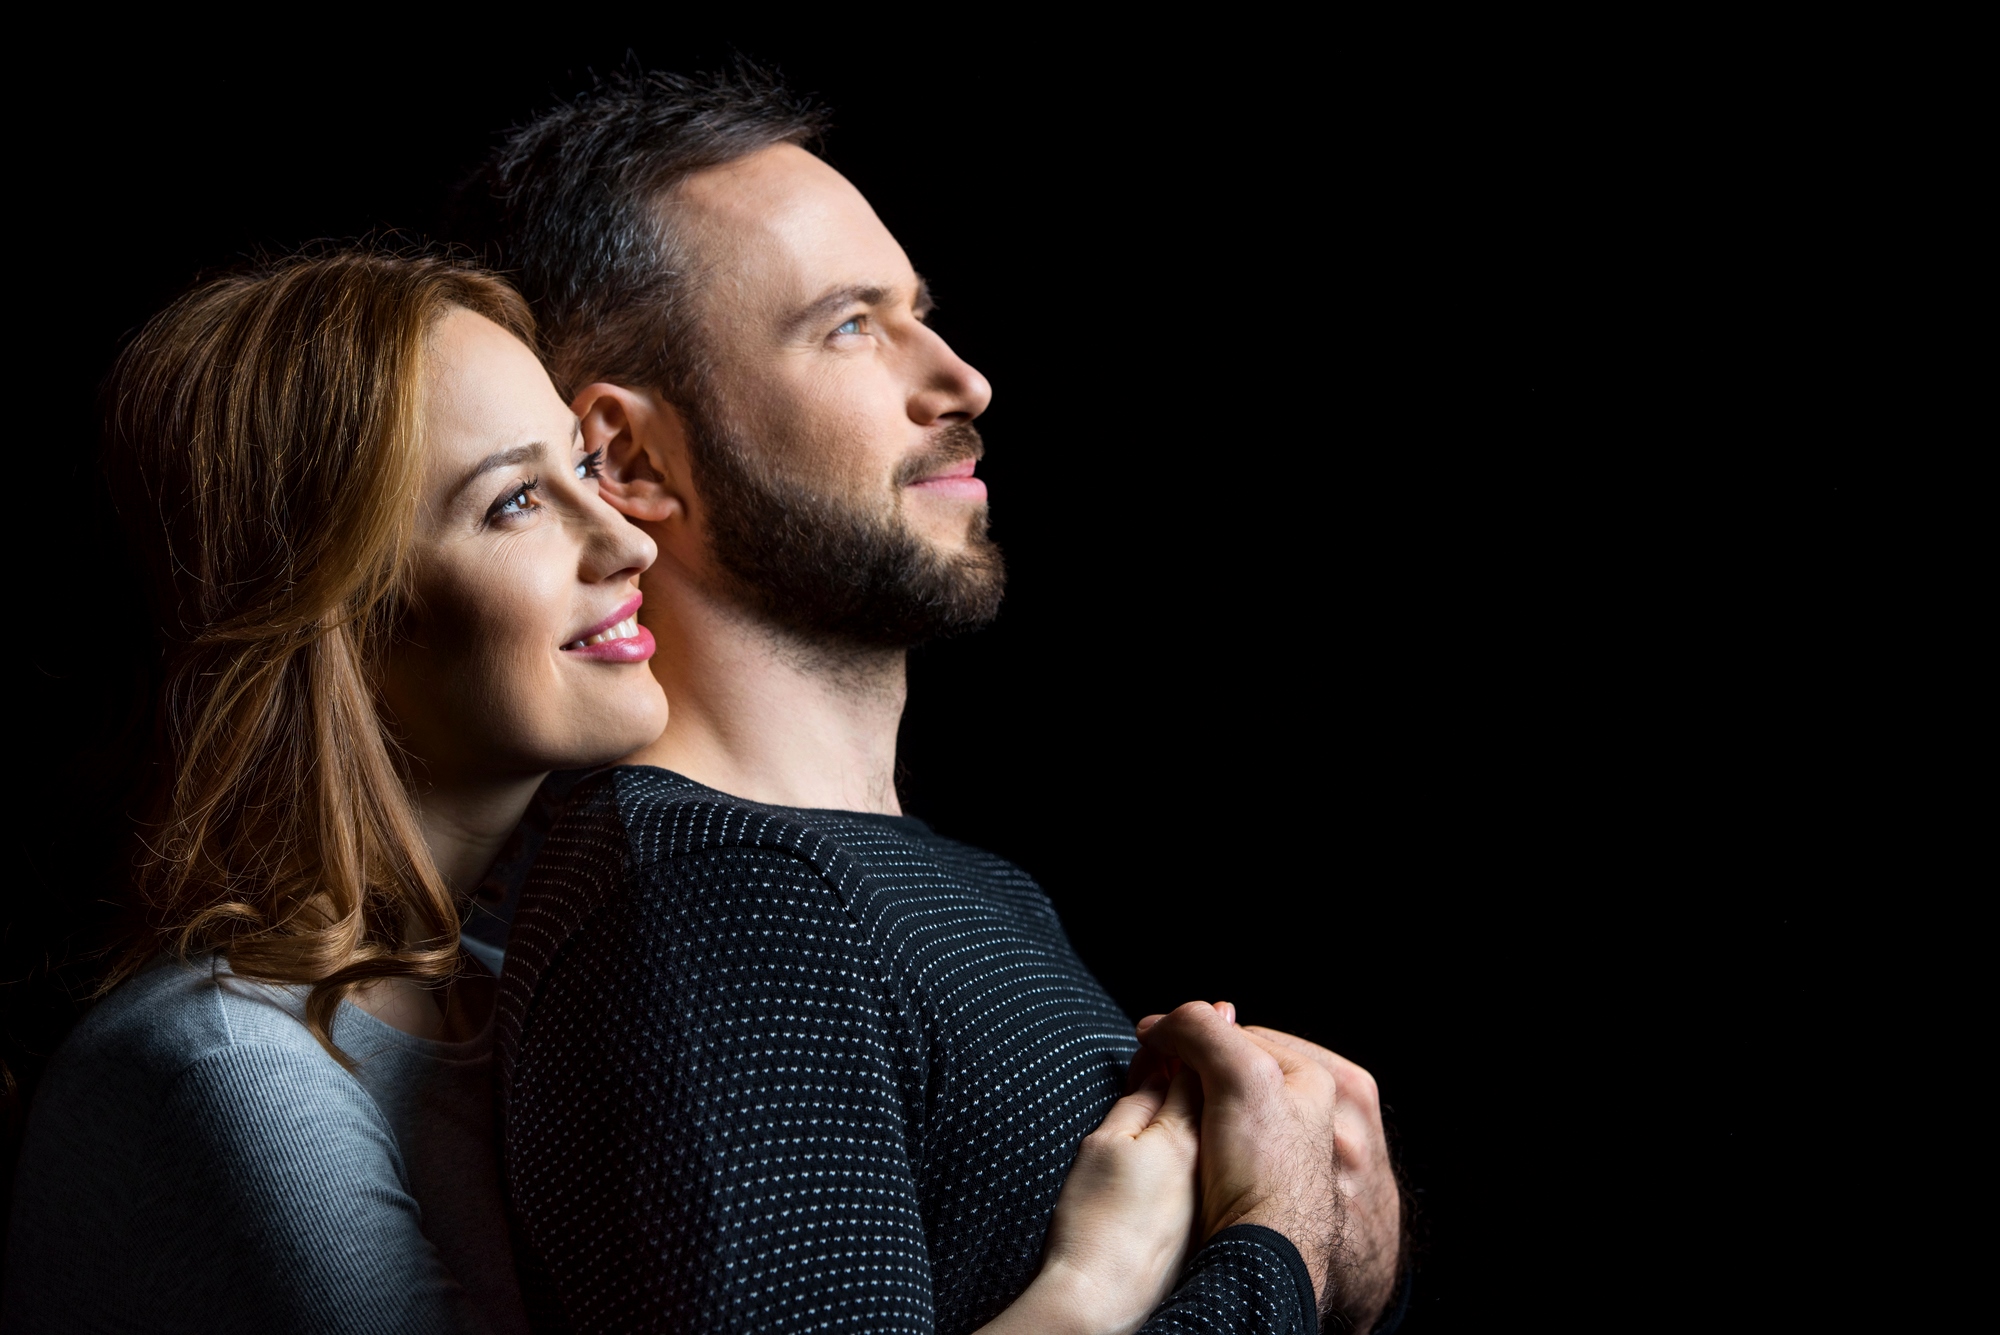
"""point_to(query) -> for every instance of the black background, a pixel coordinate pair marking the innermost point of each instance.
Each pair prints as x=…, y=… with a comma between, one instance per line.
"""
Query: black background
x=1426, y=615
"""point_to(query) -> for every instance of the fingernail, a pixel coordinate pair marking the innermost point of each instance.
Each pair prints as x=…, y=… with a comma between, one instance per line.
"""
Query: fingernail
x=1228, y=1011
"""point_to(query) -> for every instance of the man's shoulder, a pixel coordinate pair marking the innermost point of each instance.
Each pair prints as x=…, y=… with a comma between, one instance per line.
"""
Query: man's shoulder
x=637, y=835
x=661, y=817
x=642, y=866
x=654, y=818
x=893, y=847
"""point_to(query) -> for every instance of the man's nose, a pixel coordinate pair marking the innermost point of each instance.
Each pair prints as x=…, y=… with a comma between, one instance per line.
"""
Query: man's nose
x=950, y=388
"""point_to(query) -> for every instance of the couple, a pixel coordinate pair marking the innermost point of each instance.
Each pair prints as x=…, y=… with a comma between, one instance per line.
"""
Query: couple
x=769, y=1055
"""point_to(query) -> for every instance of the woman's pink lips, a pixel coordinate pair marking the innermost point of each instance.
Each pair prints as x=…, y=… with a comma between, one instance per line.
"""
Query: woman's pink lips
x=632, y=649
x=625, y=610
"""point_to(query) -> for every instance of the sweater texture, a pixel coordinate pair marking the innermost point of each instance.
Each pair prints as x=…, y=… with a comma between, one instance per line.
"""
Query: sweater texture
x=195, y=1161
x=781, y=1070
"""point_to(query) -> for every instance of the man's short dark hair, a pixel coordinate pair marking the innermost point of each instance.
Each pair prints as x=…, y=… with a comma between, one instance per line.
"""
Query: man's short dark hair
x=571, y=205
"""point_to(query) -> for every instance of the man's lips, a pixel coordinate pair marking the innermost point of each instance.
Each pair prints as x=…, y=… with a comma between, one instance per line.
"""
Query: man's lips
x=955, y=481
x=619, y=638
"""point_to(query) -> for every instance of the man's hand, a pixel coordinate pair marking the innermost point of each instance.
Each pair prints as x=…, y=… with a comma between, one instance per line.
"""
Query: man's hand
x=1365, y=1278
x=1291, y=1138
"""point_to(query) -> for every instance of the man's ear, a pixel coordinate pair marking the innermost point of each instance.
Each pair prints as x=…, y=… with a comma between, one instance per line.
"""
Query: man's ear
x=645, y=449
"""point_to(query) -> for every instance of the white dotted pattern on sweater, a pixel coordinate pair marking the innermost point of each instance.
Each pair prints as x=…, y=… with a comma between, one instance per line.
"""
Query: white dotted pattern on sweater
x=791, y=1071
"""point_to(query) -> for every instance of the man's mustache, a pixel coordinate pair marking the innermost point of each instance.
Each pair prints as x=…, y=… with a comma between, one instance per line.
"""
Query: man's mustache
x=953, y=445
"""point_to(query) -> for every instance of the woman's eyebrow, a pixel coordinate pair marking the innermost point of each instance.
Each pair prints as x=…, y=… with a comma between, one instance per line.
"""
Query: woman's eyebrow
x=533, y=452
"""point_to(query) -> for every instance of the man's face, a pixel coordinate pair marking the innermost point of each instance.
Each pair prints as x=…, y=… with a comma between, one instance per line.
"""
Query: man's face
x=836, y=453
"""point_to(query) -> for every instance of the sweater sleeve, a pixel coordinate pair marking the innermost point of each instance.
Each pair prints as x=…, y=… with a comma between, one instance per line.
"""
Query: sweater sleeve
x=280, y=1205
x=1247, y=1280
x=707, y=1114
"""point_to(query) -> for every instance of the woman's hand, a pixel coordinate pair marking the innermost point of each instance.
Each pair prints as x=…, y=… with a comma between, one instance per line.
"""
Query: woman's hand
x=1124, y=1219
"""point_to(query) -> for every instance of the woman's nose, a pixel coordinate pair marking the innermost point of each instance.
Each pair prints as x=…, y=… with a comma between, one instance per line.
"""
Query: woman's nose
x=614, y=547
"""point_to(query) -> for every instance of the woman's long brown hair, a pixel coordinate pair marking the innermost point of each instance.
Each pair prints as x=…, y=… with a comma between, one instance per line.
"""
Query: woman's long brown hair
x=265, y=448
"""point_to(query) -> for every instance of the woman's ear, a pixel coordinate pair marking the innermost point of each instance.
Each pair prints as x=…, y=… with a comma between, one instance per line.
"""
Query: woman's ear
x=645, y=450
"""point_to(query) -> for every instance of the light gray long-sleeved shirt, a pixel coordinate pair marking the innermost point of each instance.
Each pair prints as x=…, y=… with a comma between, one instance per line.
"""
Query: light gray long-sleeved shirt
x=196, y=1162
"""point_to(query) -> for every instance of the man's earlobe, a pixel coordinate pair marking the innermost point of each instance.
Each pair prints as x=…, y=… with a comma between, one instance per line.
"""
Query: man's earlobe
x=644, y=447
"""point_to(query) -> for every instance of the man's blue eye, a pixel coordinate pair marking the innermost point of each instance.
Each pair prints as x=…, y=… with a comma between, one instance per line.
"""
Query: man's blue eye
x=851, y=327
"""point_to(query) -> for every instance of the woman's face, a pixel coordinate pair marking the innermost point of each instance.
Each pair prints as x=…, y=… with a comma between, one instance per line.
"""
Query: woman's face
x=521, y=653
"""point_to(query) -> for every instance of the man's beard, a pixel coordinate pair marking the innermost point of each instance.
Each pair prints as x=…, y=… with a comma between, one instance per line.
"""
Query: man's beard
x=828, y=572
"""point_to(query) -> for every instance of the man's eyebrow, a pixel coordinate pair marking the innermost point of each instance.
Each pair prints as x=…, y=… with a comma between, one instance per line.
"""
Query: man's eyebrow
x=855, y=294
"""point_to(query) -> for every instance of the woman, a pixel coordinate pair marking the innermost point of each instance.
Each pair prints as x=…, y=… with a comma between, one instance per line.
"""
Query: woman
x=393, y=601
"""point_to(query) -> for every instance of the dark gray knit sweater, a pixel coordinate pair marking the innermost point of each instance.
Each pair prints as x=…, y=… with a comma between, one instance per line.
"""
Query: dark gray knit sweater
x=779, y=1070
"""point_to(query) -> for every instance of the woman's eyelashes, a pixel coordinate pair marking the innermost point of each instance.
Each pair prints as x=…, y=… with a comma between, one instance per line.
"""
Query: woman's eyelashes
x=515, y=503
x=520, y=499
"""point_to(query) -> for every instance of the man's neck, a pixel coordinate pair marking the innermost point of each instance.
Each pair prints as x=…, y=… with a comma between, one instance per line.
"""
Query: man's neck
x=759, y=716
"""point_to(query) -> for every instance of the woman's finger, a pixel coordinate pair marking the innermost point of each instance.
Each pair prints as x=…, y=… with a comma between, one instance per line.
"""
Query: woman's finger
x=1136, y=1111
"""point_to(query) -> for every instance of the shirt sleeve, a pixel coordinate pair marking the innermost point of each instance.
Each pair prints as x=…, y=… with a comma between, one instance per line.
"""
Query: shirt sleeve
x=282, y=1206
x=707, y=1115
x=1246, y=1280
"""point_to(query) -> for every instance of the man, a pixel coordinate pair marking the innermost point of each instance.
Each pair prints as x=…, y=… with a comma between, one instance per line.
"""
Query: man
x=775, y=1055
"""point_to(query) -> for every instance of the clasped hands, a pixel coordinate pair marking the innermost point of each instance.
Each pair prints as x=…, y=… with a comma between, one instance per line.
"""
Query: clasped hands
x=1228, y=1124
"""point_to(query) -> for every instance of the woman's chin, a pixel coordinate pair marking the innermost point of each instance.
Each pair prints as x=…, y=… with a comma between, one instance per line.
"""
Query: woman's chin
x=639, y=726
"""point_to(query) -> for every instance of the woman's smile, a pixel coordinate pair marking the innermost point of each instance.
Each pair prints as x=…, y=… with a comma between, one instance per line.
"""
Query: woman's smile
x=619, y=638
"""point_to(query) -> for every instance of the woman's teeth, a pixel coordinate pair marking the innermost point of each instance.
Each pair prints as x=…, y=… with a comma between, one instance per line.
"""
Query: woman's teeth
x=624, y=630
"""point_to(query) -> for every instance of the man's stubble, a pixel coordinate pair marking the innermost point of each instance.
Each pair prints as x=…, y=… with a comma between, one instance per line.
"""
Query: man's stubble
x=827, y=570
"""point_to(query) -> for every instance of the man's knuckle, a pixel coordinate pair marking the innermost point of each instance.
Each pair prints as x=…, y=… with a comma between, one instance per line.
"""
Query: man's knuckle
x=1263, y=1077
x=1318, y=1084
x=1357, y=1152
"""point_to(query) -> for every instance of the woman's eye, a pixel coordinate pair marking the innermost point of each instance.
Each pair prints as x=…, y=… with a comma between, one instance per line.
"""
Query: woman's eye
x=517, y=502
x=592, y=466
x=851, y=327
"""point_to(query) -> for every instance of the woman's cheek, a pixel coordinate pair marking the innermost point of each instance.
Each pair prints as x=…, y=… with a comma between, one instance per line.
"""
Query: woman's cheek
x=454, y=664
x=522, y=654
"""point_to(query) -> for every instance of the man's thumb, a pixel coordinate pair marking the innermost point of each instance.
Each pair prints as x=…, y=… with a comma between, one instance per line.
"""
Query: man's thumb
x=1182, y=1109
x=1199, y=1035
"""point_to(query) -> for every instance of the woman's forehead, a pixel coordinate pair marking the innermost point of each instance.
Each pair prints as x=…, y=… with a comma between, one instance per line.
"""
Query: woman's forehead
x=485, y=390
